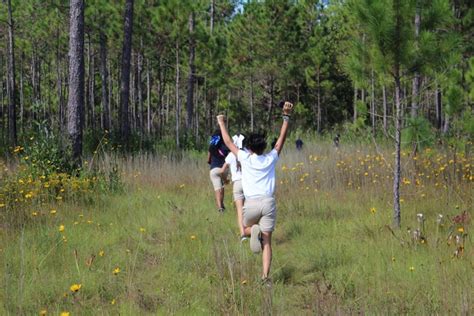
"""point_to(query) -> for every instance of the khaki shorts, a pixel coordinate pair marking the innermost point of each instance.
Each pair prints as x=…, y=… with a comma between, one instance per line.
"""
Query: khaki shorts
x=261, y=211
x=217, y=178
x=237, y=190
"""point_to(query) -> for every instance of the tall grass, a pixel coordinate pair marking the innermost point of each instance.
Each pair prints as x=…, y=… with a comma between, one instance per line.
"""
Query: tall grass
x=334, y=250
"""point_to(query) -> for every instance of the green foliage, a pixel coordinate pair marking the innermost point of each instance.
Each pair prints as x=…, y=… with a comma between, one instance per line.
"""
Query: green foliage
x=418, y=132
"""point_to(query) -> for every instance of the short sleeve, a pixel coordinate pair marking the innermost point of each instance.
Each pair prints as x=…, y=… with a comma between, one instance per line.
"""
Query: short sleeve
x=274, y=154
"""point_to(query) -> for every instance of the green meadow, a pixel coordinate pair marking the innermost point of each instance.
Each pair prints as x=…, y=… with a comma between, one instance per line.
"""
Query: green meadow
x=156, y=245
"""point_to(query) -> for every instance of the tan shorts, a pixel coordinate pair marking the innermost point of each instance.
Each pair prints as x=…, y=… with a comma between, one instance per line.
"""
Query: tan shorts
x=217, y=178
x=237, y=190
x=261, y=211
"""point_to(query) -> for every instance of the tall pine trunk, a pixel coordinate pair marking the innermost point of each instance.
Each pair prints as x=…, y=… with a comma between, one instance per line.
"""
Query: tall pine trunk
x=178, y=105
x=148, y=98
x=104, y=81
x=191, y=76
x=398, y=119
x=438, y=105
x=416, y=79
x=354, y=119
x=318, y=104
x=75, y=106
x=384, y=96
x=140, y=123
x=125, y=72
x=22, y=95
x=252, y=124
x=372, y=101
x=12, y=137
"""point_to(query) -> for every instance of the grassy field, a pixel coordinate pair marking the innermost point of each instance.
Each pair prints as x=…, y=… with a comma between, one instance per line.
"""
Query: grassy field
x=160, y=246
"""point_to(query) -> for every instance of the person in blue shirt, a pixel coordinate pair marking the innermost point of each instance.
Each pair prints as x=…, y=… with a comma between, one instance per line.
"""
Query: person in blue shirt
x=216, y=158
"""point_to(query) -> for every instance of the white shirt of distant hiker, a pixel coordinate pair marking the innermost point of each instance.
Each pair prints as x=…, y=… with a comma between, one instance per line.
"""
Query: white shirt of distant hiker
x=232, y=162
x=258, y=173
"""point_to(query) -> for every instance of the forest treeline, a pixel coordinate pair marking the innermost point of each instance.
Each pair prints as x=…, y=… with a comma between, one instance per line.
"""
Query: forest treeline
x=157, y=72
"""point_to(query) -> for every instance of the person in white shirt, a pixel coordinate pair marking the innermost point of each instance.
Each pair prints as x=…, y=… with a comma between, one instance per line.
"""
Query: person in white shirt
x=233, y=164
x=258, y=182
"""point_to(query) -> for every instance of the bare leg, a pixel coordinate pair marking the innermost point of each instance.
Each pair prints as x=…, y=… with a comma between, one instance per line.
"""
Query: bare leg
x=239, y=205
x=222, y=197
x=247, y=230
x=219, y=197
x=266, y=253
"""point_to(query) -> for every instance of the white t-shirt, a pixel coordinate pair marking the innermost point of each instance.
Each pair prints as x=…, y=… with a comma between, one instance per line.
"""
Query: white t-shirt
x=232, y=162
x=258, y=173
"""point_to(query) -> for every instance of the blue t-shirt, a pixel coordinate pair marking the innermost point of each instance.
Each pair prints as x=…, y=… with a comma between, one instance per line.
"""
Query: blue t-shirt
x=218, y=155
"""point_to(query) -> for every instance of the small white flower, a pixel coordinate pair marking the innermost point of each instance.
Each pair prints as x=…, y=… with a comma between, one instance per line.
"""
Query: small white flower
x=420, y=217
x=458, y=239
x=439, y=219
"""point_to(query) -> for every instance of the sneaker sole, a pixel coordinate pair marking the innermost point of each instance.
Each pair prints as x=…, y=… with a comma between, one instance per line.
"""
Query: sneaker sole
x=255, y=244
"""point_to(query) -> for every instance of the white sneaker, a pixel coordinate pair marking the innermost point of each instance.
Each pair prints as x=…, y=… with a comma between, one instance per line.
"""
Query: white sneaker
x=255, y=243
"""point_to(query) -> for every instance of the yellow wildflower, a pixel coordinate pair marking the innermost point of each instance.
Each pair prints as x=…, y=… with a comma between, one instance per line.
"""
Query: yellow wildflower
x=142, y=230
x=75, y=288
x=53, y=212
x=193, y=237
x=113, y=302
x=373, y=210
x=101, y=253
x=461, y=229
x=61, y=228
x=412, y=268
x=65, y=314
x=116, y=271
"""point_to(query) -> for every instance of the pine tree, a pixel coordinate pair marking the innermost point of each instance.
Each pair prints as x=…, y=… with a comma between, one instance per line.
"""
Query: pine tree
x=76, y=79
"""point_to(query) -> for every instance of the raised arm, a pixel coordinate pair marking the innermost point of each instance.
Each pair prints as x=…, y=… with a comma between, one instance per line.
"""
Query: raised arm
x=287, y=108
x=225, y=135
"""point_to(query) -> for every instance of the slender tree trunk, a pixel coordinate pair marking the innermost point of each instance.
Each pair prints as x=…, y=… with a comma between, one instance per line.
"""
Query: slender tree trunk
x=12, y=137
x=148, y=98
x=416, y=79
x=59, y=84
x=76, y=79
x=22, y=96
x=372, y=101
x=270, y=102
x=178, y=105
x=87, y=98
x=104, y=81
x=92, y=88
x=397, y=170
x=398, y=121
x=384, y=96
x=252, y=124
x=168, y=96
x=111, y=97
x=125, y=73
x=438, y=105
x=211, y=27
x=355, y=105
x=191, y=76
x=196, y=118
x=446, y=123
x=318, y=104
x=133, y=95
x=140, y=92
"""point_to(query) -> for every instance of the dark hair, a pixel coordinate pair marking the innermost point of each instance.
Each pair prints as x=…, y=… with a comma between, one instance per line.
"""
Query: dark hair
x=256, y=143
